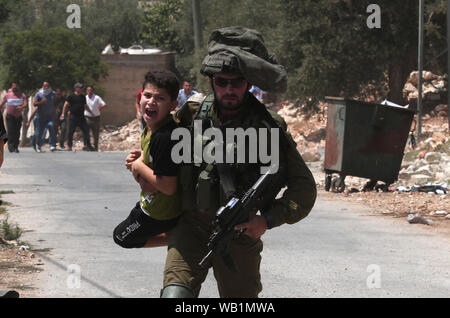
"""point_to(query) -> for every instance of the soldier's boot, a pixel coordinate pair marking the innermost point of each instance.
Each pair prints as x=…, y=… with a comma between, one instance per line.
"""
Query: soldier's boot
x=9, y=294
x=176, y=291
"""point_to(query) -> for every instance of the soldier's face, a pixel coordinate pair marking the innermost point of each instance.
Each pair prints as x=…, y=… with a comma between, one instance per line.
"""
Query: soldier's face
x=230, y=90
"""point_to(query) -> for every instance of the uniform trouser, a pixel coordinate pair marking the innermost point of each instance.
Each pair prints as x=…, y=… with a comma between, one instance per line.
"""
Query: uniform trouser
x=74, y=122
x=186, y=248
x=13, y=125
x=93, y=124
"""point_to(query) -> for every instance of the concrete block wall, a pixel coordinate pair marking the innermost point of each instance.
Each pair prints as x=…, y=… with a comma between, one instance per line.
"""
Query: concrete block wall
x=126, y=74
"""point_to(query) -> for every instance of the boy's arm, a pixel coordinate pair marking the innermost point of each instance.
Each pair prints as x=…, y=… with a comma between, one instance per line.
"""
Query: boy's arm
x=164, y=184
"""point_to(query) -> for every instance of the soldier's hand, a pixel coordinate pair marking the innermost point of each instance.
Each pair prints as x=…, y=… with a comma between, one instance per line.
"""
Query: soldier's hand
x=255, y=227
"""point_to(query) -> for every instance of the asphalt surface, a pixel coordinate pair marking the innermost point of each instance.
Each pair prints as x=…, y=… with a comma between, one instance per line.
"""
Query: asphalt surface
x=68, y=203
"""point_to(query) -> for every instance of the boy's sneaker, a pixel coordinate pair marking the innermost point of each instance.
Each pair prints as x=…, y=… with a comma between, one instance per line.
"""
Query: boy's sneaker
x=39, y=149
x=52, y=148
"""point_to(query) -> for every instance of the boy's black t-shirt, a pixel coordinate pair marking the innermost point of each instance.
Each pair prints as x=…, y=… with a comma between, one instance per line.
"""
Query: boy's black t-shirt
x=77, y=103
x=160, y=148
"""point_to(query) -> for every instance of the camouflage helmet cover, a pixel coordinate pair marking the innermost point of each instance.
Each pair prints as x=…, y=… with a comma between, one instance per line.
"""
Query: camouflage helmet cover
x=241, y=50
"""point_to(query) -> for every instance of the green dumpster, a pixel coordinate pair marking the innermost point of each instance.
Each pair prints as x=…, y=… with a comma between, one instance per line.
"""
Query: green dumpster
x=364, y=140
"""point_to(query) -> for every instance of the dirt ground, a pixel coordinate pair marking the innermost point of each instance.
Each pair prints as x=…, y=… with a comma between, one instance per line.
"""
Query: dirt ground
x=18, y=270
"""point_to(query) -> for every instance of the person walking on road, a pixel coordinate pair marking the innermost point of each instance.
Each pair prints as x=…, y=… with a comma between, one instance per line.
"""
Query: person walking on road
x=44, y=100
x=95, y=105
x=76, y=105
x=15, y=102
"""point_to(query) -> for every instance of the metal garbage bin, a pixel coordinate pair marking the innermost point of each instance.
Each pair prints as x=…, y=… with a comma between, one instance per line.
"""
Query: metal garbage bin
x=364, y=140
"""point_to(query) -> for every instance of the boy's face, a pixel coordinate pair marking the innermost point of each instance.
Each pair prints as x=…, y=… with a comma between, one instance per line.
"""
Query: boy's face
x=156, y=105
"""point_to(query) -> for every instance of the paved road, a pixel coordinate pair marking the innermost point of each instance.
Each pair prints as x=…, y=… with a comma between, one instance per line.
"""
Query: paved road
x=69, y=203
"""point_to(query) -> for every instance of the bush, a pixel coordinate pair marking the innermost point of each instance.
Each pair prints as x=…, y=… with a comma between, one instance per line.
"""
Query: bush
x=10, y=232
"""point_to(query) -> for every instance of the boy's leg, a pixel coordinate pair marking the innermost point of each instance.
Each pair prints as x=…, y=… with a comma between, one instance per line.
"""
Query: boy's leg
x=138, y=227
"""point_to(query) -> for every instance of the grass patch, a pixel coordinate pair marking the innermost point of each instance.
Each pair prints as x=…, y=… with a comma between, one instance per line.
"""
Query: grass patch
x=21, y=287
x=6, y=192
x=10, y=232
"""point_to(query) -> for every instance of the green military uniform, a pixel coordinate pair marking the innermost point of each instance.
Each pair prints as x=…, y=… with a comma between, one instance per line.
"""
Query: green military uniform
x=202, y=192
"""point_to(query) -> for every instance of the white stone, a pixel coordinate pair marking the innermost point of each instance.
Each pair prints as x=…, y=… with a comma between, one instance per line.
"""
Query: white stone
x=420, y=179
x=433, y=156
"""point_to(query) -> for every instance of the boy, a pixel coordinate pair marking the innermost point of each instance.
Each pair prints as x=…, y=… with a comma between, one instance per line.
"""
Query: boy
x=158, y=209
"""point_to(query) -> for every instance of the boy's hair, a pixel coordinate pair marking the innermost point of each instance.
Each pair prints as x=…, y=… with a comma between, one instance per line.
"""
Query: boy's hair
x=163, y=79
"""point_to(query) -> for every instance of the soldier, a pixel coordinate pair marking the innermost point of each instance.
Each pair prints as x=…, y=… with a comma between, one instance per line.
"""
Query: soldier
x=237, y=59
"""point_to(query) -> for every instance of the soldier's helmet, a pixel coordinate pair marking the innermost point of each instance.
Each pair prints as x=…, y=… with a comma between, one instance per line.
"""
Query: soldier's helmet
x=242, y=51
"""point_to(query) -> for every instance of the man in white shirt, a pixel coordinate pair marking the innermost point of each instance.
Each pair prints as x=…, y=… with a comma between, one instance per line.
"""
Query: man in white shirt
x=95, y=105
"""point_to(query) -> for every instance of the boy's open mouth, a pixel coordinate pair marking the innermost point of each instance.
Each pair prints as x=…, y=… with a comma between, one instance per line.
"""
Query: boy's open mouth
x=151, y=113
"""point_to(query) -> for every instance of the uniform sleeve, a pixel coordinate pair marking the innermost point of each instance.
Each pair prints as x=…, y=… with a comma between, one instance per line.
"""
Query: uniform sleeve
x=300, y=195
x=160, y=150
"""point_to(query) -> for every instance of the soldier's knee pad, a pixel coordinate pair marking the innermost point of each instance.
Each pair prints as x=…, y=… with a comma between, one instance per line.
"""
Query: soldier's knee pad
x=176, y=291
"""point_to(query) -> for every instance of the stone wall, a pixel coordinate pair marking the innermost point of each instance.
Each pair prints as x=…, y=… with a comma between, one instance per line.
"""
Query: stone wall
x=126, y=74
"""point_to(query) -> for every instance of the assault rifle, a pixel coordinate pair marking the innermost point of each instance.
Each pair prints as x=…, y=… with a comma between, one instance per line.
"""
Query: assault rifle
x=235, y=212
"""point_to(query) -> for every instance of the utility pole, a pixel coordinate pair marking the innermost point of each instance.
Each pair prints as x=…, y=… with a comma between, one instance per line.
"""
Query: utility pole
x=197, y=25
x=448, y=61
x=420, y=69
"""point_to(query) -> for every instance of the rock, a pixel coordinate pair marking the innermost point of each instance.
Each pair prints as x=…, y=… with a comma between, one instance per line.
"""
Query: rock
x=440, y=108
x=425, y=170
x=420, y=179
x=433, y=157
x=418, y=219
x=422, y=154
x=309, y=156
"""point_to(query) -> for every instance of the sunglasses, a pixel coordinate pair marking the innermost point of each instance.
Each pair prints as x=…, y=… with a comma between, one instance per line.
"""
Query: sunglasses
x=235, y=82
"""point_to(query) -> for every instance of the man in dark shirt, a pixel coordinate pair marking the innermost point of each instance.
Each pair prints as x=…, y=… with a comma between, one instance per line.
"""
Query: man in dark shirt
x=77, y=105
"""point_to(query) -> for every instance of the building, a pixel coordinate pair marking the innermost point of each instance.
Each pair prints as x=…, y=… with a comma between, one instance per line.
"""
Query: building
x=126, y=75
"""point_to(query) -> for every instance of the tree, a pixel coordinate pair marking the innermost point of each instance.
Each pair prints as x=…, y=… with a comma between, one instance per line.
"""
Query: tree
x=330, y=49
x=57, y=55
x=159, y=19
x=114, y=22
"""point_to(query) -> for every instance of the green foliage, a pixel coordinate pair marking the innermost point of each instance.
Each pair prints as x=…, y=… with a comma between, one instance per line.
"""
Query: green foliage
x=114, y=22
x=57, y=55
x=10, y=232
x=159, y=19
x=326, y=45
